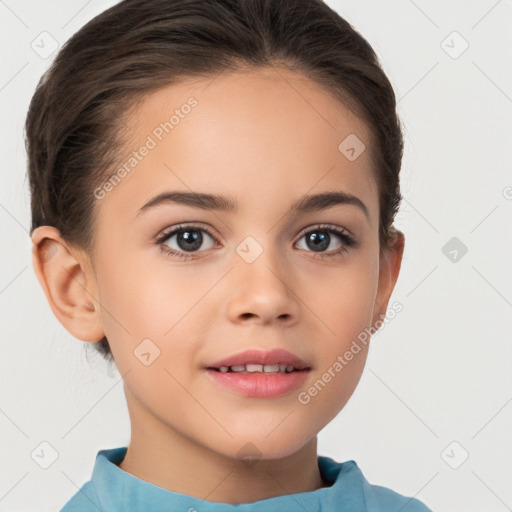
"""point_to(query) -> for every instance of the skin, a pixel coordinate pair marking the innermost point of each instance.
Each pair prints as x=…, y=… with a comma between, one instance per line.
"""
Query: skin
x=265, y=138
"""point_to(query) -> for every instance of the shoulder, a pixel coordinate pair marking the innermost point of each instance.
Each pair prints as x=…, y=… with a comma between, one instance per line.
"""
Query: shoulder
x=383, y=499
x=360, y=494
x=86, y=499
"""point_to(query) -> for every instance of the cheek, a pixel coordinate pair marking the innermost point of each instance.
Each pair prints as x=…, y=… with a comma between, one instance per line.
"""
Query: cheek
x=149, y=318
x=152, y=309
x=343, y=302
x=144, y=301
x=344, y=310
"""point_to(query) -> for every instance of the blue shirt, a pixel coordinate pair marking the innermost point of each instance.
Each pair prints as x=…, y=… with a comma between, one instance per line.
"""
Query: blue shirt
x=112, y=489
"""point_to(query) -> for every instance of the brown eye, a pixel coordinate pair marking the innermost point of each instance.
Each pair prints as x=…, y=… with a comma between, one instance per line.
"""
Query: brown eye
x=184, y=239
x=321, y=238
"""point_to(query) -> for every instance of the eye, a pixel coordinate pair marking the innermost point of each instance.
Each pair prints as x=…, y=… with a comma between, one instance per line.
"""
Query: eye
x=188, y=238
x=320, y=238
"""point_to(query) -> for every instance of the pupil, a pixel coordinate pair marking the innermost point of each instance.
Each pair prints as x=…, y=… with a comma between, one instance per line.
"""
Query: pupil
x=191, y=240
x=318, y=241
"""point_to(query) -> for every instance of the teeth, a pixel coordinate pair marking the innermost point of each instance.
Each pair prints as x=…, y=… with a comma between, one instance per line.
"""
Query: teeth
x=252, y=368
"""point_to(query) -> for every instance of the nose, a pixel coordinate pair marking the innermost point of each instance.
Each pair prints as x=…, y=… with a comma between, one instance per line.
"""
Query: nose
x=262, y=292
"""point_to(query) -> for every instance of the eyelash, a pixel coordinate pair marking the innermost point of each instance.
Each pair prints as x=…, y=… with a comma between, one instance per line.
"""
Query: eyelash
x=348, y=240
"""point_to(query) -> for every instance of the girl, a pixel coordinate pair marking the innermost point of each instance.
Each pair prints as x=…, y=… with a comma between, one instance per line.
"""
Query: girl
x=213, y=189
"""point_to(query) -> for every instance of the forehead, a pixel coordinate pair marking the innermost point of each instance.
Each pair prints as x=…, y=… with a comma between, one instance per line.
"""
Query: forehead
x=263, y=136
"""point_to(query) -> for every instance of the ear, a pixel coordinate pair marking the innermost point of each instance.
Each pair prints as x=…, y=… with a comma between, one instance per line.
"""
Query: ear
x=67, y=279
x=389, y=268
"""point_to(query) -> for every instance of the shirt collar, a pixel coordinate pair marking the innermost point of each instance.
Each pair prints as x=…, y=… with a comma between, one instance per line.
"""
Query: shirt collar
x=118, y=490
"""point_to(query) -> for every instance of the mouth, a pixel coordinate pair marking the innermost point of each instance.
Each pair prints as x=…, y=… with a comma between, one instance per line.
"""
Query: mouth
x=260, y=374
x=249, y=381
x=270, y=369
x=277, y=360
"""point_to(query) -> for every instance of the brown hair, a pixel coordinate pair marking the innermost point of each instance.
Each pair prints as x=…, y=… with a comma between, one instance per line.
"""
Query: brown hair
x=74, y=122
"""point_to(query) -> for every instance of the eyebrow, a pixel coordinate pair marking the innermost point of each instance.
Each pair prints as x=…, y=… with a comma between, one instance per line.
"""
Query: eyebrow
x=308, y=203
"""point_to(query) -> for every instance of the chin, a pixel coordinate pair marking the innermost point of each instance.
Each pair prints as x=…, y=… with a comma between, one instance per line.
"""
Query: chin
x=261, y=447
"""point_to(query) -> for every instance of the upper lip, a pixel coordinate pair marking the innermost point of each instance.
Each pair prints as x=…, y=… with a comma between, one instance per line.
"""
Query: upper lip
x=275, y=356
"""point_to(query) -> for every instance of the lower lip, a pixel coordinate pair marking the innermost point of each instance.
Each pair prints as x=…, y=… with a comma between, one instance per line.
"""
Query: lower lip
x=260, y=385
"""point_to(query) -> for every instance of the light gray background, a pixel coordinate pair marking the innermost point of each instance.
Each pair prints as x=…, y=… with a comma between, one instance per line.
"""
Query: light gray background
x=439, y=372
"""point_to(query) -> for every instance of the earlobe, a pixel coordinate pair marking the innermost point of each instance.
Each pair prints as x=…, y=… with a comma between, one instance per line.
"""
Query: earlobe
x=68, y=283
x=389, y=269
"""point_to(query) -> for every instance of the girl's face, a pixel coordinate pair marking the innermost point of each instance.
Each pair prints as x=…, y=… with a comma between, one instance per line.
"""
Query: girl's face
x=260, y=276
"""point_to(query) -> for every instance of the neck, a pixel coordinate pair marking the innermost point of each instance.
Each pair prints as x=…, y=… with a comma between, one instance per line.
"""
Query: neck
x=164, y=457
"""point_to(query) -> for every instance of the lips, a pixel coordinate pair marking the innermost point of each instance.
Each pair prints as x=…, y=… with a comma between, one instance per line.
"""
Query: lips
x=273, y=357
